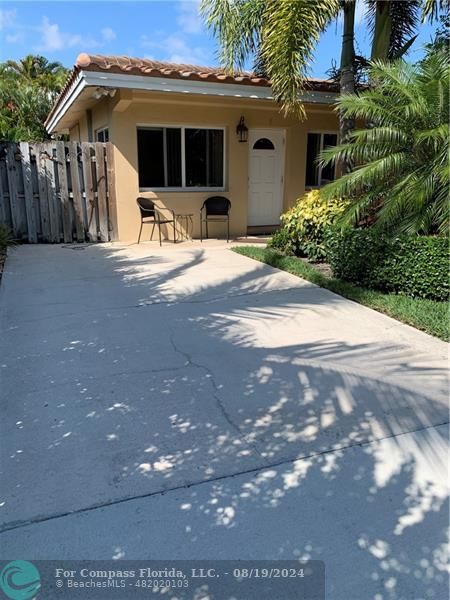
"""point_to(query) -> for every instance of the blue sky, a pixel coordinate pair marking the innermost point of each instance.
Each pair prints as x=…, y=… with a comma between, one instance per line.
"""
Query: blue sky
x=165, y=30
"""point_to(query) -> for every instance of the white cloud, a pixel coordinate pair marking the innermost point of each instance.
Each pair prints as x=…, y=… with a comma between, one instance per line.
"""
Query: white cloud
x=180, y=46
x=7, y=18
x=52, y=38
x=108, y=34
x=174, y=48
x=15, y=38
x=189, y=18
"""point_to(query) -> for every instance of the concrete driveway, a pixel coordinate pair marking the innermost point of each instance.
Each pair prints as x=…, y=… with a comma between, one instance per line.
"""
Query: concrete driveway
x=188, y=402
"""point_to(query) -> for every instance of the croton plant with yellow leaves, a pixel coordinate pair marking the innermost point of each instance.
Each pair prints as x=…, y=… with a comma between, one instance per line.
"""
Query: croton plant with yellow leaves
x=305, y=224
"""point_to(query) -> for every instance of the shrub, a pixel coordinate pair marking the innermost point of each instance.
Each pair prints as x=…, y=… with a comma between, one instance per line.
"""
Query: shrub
x=305, y=224
x=5, y=237
x=416, y=266
x=281, y=241
x=401, y=175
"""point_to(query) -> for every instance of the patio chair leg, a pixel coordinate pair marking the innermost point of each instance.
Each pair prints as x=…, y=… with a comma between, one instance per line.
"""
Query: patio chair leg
x=174, y=234
x=140, y=231
x=228, y=229
x=159, y=229
x=153, y=229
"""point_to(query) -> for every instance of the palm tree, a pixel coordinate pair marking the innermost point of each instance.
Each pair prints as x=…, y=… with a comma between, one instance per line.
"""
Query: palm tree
x=282, y=35
x=402, y=172
x=432, y=8
x=37, y=69
x=27, y=91
x=347, y=70
x=393, y=26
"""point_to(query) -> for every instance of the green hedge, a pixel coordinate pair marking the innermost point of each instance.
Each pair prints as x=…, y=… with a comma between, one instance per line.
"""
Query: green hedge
x=417, y=266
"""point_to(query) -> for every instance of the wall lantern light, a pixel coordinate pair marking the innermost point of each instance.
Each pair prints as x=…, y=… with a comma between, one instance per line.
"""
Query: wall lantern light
x=242, y=130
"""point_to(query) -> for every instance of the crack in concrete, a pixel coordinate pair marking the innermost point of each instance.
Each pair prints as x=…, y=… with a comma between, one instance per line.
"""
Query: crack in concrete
x=218, y=399
x=211, y=377
x=20, y=524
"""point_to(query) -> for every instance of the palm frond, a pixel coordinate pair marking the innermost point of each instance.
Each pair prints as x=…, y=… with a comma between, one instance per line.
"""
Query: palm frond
x=282, y=35
x=404, y=21
x=433, y=8
x=402, y=172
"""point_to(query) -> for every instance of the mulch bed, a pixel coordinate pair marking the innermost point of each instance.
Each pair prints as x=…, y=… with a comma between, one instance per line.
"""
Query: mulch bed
x=323, y=268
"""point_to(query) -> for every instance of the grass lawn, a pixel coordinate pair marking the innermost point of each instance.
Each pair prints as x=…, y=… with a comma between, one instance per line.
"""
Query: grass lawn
x=427, y=315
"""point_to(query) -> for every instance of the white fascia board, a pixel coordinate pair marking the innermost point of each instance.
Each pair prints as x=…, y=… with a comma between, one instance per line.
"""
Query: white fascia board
x=205, y=88
x=77, y=87
x=161, y=84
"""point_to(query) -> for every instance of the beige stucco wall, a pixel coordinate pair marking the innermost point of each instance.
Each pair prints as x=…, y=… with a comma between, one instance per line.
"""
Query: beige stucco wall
x=101, y=115
x=159, y=109
x=79, y=132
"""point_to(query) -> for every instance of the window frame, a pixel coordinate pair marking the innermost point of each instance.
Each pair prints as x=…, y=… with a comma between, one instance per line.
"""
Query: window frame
x=183, y=187
x=101, y=130
x=322, y=133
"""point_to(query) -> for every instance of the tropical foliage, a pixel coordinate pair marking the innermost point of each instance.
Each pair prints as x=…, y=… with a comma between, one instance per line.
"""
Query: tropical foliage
x=304, y=226
x=416, y=266
x=401, y=176
x=5, y=238
x=393, y=25
x=28, y=89
x=281, y=35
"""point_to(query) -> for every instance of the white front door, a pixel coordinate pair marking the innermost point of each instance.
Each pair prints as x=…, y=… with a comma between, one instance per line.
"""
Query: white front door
x=265, y=180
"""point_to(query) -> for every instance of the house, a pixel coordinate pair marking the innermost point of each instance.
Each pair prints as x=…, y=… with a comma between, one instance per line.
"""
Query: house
x=176, y=136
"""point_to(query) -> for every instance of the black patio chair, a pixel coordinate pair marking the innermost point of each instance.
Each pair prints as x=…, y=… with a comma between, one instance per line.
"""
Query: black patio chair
x=215, y=209
x=151, y=213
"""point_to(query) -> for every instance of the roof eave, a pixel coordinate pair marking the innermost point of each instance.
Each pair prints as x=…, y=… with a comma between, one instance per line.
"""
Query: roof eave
x=65, y=100
x=90, y=78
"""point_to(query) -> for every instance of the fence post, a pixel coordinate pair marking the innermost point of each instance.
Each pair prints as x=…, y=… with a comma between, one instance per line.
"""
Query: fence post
x=12, y=188
x=112, y=206
x=101, y=191
x=55, y=223
x=28, y=191
x=76, y=191
x=64, y=190
x=43, y=192
x=91, y=208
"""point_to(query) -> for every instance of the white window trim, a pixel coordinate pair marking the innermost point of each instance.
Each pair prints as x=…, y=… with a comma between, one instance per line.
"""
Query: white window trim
x=99, y=130
x=322, y=133
x=183, y=187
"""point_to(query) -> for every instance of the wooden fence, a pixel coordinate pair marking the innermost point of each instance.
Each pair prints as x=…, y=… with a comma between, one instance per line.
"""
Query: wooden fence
x=58, y=191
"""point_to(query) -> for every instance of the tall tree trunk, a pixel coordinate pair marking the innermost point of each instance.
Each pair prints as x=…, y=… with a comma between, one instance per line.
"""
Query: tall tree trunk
x=382, y=31
x=347, y=71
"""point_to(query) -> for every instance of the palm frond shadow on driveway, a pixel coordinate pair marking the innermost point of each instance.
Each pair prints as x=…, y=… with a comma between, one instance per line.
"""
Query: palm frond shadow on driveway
x=215, y=374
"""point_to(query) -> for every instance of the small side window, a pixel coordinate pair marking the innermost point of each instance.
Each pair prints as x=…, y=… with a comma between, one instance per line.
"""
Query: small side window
x=317, y=175
x=102, y=135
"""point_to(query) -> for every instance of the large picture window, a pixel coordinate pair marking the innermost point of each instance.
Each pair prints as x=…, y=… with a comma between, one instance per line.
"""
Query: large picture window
x=180, y=157
x=316, y=175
